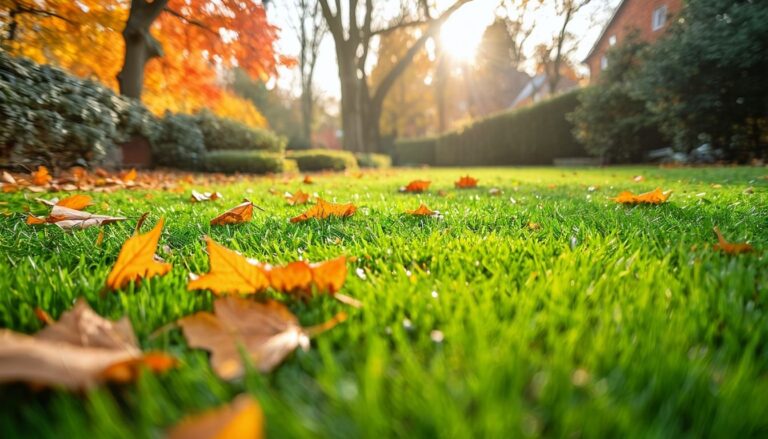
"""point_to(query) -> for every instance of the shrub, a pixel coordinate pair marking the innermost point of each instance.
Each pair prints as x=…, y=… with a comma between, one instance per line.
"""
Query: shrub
x=534, y=135
x=252, y=162
x=371, y=160
x=179, y=142
x=227, y=134
x=415, y=151
x=323, y=159
x=50, y=117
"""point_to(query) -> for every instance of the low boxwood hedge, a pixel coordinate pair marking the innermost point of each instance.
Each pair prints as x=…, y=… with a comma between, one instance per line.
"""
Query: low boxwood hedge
x=323, y=160
x=226, y=134
x=371, y=160
x=251, y=162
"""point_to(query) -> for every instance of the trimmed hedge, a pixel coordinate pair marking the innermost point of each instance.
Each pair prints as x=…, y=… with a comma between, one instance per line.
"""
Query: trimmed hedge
x=419, y=151
x=226, y=134
x=179, y=143
x=50, y=117
x=534, y=135
x=252, y=162
x=371, y=160
x=323, y=160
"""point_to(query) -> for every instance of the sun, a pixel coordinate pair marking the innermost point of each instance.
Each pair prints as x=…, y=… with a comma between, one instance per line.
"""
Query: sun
x=461, y=34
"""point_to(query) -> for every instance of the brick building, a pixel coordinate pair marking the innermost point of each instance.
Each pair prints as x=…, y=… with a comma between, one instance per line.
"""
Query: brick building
x=650, y=18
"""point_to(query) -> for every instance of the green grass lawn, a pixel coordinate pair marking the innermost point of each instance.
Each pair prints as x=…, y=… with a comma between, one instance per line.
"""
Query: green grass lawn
x=608, y=321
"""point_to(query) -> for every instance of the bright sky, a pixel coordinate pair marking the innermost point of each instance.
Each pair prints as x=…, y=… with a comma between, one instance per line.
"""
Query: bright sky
x=461, y=33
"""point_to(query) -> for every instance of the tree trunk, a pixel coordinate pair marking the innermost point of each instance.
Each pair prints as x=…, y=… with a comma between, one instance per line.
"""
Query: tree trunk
x=306, y=113
x=140, y=45
x=352, y=111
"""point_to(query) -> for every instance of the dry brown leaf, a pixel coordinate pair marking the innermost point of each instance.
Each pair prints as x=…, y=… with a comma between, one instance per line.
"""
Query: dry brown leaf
x=229, y=272
x=298, y=198
x=137, y=259
x=241, y=213
x=267, y=332
x=76, y=352
x=67, y=218
x=656, y=196
x=731, y=248
x=324, y=209
x=416, y=186
x=466, y=182
x=240, y=419
x=8, y=178
x=423, y=210
x=198, y=197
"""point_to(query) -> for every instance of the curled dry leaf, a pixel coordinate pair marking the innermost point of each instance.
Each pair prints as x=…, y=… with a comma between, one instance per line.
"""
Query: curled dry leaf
x=656, y=196
x=75, y=202
x=198, y=197
x=241, y=213
x=324, y=209
x=137, y=259
x=242, y=418
x=41, y=177
x=423, y=210
x=416, y=186
x=229, y=273
x=266, y=332
x=298, y=198
x=466, y=182
x=731, y=248
x=76, y=352
x=67, y=218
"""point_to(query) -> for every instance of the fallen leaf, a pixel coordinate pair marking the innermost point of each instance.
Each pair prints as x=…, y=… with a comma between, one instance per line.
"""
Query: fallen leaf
x=324, y=209
x=198, y=197
x=129, y=176
x=41, y=177
x=75, y=202
x=76, y=352
x=416, y=186
x=494, y=192
x=302, y=278
x=638, y=178
x=100, y=238
x=423, y=210
x=534, y=226
x=267, y=332
x=229, y=272
x=137, y=259
x=308, y=180
x=242, y=418
x=654, y=197
x=729, y=247
x=296, y=199
x=241, y=213
x=466, y=182
x=67, y=218
x=8, y=178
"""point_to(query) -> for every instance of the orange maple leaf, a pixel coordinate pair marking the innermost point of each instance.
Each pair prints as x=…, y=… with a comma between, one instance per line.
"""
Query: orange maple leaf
x=308, y=179
x=324, y=209
x=241, y=213
x=229, y=273
x=300, y=276
x=729, y=247
x=466, y=182
x=75, y=202
x=137, y=259
x=129, y=176
x=298, y=198
x=41, y=177
x=416, y=186
x=422, y=210
x=656, y=196
x=242, y=418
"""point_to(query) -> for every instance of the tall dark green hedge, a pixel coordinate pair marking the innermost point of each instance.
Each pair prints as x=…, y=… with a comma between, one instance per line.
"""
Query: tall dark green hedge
x=535, y=135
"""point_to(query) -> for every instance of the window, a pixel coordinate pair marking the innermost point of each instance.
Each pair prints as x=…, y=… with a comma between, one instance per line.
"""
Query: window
x=612, y=40
x=603, y=63
x=659, y=18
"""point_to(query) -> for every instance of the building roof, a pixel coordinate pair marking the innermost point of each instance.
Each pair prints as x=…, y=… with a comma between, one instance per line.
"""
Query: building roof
x=530, y=88
x=605, y=29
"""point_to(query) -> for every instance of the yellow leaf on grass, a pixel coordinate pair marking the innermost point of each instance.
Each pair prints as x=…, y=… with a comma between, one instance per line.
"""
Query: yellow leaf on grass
x=137, y=259
x=229, y=272
x=74, y=202
x=656, y=196
x=298, y=198
x=240, y=419
x=324, y=209
x=241, y=213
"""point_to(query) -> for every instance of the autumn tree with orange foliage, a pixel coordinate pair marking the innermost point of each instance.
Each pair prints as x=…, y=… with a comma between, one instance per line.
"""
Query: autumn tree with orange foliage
x=169, y=50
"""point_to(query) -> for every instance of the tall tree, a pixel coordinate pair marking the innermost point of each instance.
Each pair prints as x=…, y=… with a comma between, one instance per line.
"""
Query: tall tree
x=352, y=29
x=310, y=29
x=553, y=56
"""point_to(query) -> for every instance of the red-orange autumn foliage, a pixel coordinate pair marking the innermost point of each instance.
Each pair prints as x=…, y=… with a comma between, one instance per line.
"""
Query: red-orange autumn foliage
x=242, y=213
x=198, y=39
x=466, y=182
x=423, y=210
x=416, y=186
x=731, y=248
